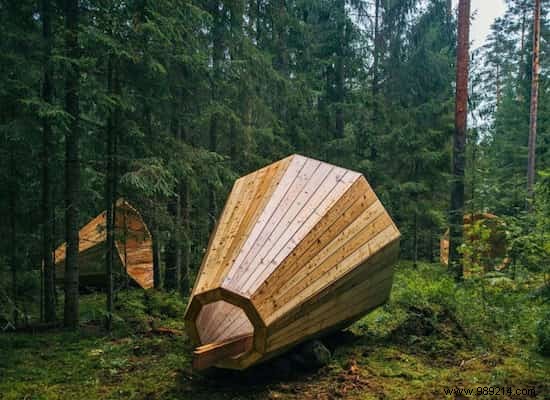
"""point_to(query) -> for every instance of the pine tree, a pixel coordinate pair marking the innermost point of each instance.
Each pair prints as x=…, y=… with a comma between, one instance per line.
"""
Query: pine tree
x=47, y=150
x=459, y=139
x=72, y=164
x=534, y=99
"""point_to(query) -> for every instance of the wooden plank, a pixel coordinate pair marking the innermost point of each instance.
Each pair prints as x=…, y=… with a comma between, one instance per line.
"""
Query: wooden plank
x=214, y=314
x=293, y=180
x=229, y=237
x=312, y=215
x=223, y=319
x=384, y=257
x=135, y=254
x=343, y=213
x=134, y=244
x=269, y=183
x=290, y=175
x=332, y=275
x=220, y=247
x=300, y=253
x=332, y=258
x=90, y=235
x=281, y=348
x=236, y=328
x=242, y=362
x=339, y=305
x=304, y=205
x=334, y=185
x=210, y=354
x=356, y=306
x=368, y=224
x=216, y=242
x=365, y=295
x=235, y=321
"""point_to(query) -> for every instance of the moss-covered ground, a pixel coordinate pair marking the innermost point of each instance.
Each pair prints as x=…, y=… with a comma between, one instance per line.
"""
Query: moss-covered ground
x=431, y=336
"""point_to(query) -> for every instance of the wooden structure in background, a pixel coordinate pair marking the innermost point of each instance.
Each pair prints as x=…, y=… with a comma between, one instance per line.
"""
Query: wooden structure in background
x=497, y=240
x=133, y=243
x=302, y=248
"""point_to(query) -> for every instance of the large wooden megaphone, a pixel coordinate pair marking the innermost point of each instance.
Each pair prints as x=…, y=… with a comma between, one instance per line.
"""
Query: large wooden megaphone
x=302, y=248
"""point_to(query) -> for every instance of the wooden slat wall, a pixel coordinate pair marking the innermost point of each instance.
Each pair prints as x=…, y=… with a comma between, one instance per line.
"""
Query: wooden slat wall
x=366, y=287
x=220, y=320
x=278, y=203
x=133, y=243
x=295, y=230
x=308, y=244
x=246, y=200
x=348, y=208
x=90, y=235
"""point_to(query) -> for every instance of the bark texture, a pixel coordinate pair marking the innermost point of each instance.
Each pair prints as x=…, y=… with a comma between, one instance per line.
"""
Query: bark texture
x=72, y=164
x=459, y=139
x=534, y=101
x=47, y=149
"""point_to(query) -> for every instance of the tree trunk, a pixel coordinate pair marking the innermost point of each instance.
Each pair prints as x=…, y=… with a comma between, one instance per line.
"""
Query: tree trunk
x=212, y=206
x=431, y=243
x=186, y=257
x=280, y=40
x=376, y=48
x=258, y=22
x=172, y=272
x=110, y=200
x=524, y=8
x=339, y=65
x=156, y=255
x=415, y=239
x=72, y=165
x=157, y=281
x=47, y=149
x=217, y=55
x=497, y=86
x=375, y=80
x=13, y=232
x=459, y=141
x=534, y=102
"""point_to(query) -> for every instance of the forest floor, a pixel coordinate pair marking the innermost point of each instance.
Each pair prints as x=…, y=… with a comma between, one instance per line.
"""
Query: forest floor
x=431, y=336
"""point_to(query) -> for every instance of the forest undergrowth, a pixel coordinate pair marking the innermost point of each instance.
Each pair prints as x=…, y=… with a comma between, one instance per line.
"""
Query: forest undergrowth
x=432, y=335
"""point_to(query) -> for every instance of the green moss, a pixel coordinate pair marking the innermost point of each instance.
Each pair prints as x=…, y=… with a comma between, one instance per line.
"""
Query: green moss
x=432, y=334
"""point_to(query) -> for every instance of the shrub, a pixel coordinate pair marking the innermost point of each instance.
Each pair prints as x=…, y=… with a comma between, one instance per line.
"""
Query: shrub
x=543, y=334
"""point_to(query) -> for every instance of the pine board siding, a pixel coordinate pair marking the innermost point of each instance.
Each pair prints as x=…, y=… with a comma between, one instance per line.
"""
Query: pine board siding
x=302, y=248
x=132, y=241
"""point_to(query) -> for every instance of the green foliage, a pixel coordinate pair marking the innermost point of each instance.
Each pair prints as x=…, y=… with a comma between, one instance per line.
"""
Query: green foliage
x=482, y=306
x=161, y=304
x=405, y=348
x=197, y=93
x=476, y=247
x=543, y=334
x=529, y=232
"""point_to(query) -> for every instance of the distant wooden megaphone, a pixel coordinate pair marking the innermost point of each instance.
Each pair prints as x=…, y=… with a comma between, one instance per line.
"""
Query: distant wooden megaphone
x=133, y=244
x=302, y=248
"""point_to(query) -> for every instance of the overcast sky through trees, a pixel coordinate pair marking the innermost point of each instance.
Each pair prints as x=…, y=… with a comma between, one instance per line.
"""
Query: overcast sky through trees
x=484, y=13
